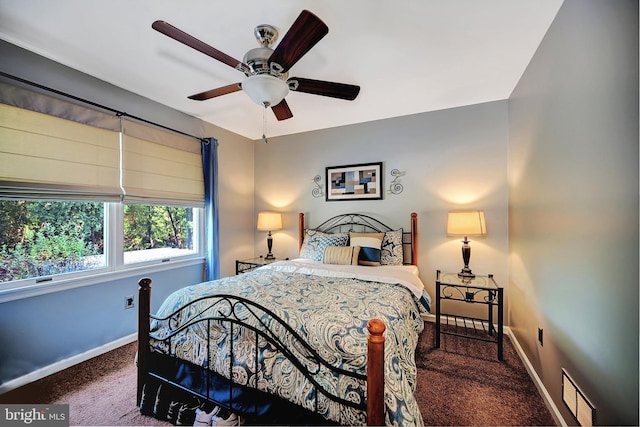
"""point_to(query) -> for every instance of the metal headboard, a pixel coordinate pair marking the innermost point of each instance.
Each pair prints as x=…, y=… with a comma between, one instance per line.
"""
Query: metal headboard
x=364, y=223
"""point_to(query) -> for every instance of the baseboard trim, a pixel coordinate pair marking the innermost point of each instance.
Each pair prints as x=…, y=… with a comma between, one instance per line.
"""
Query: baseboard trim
x=66, y=363
x=537, y=381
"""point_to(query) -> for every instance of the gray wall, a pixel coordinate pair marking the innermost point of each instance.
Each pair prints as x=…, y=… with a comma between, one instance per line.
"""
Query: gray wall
x=452, y=159
x=39, y=331
x=573, y=211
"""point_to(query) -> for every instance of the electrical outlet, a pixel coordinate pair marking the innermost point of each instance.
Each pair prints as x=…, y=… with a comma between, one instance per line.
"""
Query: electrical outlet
x=128, y=302
x=540, y=336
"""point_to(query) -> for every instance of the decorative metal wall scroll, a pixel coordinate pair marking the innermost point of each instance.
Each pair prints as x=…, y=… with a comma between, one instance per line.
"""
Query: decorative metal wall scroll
x=395, y=187
x=317, y=191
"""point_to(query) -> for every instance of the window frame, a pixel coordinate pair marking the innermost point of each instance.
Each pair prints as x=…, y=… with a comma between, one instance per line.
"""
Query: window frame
x=198, y=237
x=115, y=267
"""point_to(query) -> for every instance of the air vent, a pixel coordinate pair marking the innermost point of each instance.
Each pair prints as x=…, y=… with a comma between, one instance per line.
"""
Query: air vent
x=577, y=402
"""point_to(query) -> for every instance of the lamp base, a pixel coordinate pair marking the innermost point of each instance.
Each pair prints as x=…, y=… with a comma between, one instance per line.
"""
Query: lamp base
x=269, y=246
x=466, y=273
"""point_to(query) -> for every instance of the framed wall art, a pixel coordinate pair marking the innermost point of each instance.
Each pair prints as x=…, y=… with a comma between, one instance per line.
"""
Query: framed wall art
x=354, y=182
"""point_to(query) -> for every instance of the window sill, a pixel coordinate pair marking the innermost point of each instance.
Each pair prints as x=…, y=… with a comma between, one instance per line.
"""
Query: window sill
x=97, y=277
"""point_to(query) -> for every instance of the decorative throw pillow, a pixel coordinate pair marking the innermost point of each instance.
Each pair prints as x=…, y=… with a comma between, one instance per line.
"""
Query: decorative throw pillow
x=391, y=250
x=370, y=244
x=342, y=255
x=316, y=241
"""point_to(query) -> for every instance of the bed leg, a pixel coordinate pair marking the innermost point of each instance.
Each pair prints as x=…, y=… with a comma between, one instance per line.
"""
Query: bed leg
x=375, y=373
x=144, y=310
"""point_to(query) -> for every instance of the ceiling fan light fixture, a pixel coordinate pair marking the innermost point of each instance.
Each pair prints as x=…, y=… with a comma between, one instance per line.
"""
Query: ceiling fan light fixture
x=265, y=90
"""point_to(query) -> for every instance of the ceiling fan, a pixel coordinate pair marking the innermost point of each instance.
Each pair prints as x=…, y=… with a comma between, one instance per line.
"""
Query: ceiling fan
x=266, y=70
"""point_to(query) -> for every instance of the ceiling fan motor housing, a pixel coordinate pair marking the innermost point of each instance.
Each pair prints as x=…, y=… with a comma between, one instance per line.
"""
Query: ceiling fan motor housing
x=258, y=61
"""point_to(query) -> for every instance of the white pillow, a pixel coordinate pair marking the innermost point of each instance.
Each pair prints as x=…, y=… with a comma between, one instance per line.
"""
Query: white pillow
x=392, y=250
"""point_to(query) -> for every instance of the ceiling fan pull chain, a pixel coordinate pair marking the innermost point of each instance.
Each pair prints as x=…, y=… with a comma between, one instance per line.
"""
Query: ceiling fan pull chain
x=264, y=123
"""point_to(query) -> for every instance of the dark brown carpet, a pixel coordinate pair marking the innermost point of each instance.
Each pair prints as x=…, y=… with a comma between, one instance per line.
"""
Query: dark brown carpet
x=462, y=383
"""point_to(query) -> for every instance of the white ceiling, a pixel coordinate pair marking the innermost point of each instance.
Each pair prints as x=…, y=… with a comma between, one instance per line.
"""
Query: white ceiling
x=408, y=56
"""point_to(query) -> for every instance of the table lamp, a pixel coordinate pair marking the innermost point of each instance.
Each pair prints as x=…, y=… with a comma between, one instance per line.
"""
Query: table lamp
x=269, y=221
x=467, y=223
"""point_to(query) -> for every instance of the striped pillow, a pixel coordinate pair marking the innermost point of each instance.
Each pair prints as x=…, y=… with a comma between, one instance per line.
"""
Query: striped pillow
x=342, y=255
x=370, y=244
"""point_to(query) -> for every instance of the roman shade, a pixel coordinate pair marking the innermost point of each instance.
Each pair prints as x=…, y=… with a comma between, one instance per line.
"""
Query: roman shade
x=46, y=157
x=160, y=167
x=55, y=149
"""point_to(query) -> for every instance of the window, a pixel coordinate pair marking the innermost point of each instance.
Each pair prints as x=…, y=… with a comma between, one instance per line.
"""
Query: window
x=84, y=191
x=44, y=239
x=154, y=232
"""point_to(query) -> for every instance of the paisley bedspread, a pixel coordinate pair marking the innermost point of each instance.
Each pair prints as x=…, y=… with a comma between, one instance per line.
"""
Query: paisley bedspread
x=329, y=307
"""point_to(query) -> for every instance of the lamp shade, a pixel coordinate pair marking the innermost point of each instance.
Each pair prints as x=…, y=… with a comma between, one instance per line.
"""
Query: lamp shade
x=268, y=221
x=468, y=223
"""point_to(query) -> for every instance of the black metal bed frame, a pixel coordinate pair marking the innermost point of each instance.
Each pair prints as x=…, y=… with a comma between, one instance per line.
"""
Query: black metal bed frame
x=233, y=311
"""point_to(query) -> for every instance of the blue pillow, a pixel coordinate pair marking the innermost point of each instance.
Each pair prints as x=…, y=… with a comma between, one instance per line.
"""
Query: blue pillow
x=370, y=245
x=315, y=242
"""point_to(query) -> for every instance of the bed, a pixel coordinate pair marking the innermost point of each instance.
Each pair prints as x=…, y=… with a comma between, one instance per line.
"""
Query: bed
x=327, y=338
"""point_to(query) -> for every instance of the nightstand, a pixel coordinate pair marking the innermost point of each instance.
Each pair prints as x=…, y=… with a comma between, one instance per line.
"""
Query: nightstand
x=478, y=290
x=247, y=265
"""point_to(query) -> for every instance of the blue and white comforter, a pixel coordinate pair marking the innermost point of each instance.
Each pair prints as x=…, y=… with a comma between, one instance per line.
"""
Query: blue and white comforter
x=329, y=306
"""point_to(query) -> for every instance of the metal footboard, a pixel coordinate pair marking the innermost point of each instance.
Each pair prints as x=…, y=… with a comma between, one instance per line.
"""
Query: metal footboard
x=234, y=313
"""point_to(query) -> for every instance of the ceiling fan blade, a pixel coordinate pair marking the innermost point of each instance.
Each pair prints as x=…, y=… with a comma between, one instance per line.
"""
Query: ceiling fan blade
x=320, y=87
x=216, y=92
x=179, y=35
x=306, y=31
x=282, y=111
